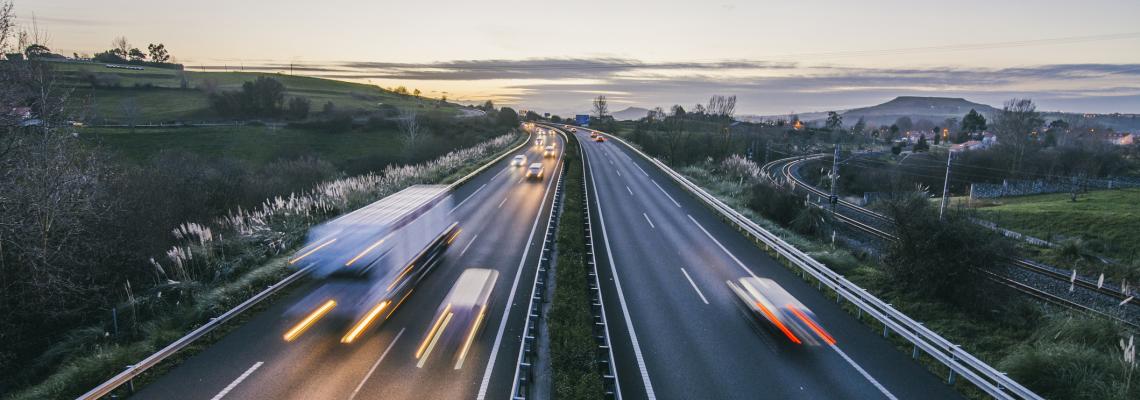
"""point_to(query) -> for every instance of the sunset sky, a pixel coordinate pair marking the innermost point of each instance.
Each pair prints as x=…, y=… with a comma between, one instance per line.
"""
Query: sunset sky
x=777, y=57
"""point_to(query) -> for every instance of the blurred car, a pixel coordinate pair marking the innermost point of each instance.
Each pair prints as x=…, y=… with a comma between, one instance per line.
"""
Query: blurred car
x=460, y=315
x=534, y=171
x=518, y=161
x=599, y=138
x=549, y=152
x=593, y=135
x=573, y=130
x=538, y=142
x=767, y=301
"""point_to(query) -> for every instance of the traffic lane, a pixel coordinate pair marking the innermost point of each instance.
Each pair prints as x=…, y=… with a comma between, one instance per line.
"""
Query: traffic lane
x=888, y=366
x=499, y=248
x=400, y=376
x=258, y=341
x=729, y=359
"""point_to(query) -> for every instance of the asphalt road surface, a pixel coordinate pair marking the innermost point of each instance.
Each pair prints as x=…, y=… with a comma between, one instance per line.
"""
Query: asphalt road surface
x=677, y=331
x=502, y=217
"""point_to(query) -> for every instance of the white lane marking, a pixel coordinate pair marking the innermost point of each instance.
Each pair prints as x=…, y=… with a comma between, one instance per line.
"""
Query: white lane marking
x=864, y=373
x=511, y=299
x=694, y=286
x=468, y=246
x=621, y=296
x=611, y=161
x=619, y=172
x=841, y=353
x=648, y=220
x=638, y=166
x=468, y=198
x=629, y=190
x=237, y=381
x=501, y=172
x=504, y=201
x=666, y=193
x=722, y=248
x=376, y=364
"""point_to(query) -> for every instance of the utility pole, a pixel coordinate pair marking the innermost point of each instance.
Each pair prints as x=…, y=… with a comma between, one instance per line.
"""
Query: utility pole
x=834, y=198
x=945, y=187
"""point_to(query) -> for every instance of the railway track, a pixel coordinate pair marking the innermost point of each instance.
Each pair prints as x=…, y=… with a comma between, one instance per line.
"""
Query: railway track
x=879, y=226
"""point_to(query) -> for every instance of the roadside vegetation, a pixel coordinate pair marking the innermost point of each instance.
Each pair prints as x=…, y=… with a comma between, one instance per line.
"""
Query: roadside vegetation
x=113, y=241
x=929, y=275
x=573, y=350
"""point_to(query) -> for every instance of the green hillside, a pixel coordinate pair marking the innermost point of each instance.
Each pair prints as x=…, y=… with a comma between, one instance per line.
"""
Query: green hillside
x=158, y=95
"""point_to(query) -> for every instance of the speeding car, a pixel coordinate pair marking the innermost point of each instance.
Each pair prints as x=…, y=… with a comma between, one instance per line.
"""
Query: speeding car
x=460, y=316
x=549, y=151
x=771, y=305
x=518, y=161
x=599, y=138
x=538, y=142
x=534, y=171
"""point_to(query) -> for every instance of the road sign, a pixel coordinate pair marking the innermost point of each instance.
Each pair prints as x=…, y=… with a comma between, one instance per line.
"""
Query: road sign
x=582, y=120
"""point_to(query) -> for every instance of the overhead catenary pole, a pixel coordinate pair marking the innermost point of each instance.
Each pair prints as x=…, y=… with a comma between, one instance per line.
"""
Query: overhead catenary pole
x=945, y=186
x=833, y=198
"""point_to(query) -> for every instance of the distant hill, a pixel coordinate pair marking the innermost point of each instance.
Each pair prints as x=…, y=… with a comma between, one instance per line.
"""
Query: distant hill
x=630, y=114
x=935, y=109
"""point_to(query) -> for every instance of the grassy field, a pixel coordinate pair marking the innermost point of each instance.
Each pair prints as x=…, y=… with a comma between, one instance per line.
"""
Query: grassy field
x=159, y=95
x=257, y=144
x=1106, y=222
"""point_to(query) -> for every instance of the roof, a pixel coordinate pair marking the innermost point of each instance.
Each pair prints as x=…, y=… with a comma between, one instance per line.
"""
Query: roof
x=393, y=207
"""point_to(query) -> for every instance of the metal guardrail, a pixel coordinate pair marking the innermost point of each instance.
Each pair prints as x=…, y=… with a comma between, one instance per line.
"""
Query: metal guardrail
x=132, y=371
x=982, y=375
x=524, y=370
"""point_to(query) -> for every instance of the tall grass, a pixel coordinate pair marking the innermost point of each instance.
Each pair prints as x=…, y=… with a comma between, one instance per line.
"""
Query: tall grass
x=216, y=266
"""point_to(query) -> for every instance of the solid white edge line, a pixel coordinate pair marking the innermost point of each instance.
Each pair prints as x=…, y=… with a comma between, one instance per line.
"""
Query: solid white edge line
x=864, y=373
x=376, y=364
x=621, y=295
x=510, y=300
x=649, y=220
x=468, y=198
x=638, y=166
x=237, y=381
x=836, y=348
x=468, y=246
x=694, y=285
x=666, y=193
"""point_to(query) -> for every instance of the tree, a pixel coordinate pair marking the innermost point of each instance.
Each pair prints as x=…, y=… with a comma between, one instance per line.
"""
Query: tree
x=1015, y=125
x=36, y=51
x=298, y=108
x=411, y=130
x=7, y=25
x=400, y=90
x=532, y=116
x=921, y=145
x=601, y=108
x=834, y=120
x=936, y=258
x=488, y=106
x=860, y=126
x=893, y=132
x=508, y=117
x=700, y=110
x=158, y=53
x=136, y=55
x=416, y=93
x=973, y=122
x=722, y=106
x=904, y=124
x=328, y=109
x=677, y=111
x=120, y=47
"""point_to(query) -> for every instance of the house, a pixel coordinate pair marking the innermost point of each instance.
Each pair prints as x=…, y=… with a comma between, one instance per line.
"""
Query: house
x=1122, y=139
x=988, y=139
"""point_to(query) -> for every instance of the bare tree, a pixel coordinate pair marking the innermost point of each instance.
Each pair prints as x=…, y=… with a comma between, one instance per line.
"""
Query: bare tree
x=601, y=107
x=722, y=106
x=7, y=25
x=130, y=111
x=121, y=46
x=1015, y=125
x=411, y=130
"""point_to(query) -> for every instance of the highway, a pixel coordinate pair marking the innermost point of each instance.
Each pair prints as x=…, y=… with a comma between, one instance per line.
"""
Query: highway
x=677, y=330
x=502, y=217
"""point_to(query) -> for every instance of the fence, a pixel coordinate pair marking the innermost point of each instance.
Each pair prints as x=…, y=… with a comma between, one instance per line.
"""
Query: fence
x=1041, y=186
x=961, y=363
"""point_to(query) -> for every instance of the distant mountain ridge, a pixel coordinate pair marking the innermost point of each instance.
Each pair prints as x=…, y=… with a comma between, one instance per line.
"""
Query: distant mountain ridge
x=630, y=114
x=935, y=109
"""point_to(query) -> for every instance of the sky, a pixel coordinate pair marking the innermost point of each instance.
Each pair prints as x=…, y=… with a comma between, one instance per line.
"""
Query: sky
x=776, y=56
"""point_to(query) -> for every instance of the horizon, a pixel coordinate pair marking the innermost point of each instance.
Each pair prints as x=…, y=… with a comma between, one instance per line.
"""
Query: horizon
x=1090, y=64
